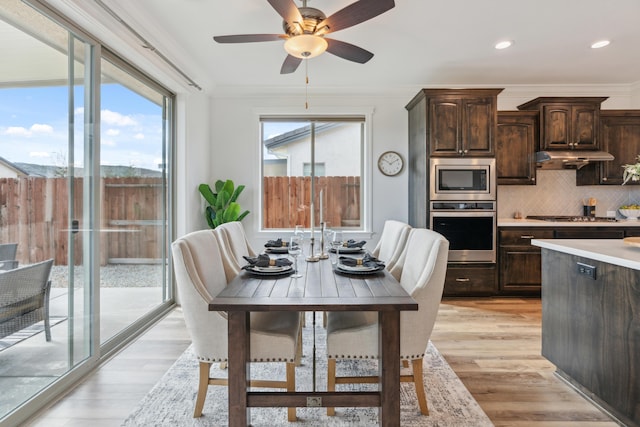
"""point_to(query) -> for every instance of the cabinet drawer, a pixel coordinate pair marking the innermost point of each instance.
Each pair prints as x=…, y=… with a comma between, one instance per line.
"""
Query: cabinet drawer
x=589, y=234
x=523, y=236
x=465, y=280
x=632, y=232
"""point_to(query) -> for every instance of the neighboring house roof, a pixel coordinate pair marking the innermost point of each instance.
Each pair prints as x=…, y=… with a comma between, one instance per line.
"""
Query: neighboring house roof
x=296, y=135
x=17, y=169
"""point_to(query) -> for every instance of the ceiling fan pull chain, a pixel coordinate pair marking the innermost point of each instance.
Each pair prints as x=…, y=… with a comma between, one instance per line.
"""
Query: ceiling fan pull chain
x=306, y=86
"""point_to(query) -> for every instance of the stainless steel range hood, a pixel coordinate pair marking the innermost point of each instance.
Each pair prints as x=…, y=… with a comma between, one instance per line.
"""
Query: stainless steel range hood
x=570, y=159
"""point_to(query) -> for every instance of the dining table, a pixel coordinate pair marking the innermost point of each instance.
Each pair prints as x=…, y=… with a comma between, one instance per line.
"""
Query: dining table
x=321, y=288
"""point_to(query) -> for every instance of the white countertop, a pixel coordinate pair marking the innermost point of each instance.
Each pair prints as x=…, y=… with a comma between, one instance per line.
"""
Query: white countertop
x=512, y=222
x=611, y=251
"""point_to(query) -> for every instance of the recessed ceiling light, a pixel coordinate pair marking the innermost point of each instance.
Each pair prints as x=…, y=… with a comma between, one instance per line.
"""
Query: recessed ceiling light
x=504, y=44
x=599, y=44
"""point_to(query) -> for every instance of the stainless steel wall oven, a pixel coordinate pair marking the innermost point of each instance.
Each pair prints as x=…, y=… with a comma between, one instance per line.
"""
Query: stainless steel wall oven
x=470, y=227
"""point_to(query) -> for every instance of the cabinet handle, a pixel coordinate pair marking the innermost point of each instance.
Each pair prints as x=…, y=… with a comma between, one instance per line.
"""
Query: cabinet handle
x=527, y=237
x=466, y=151
x=462, y=279
x=604, y=179
x=533, y=179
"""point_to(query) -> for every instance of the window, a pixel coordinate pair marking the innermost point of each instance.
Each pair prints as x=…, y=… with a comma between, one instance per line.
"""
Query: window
x=335, y=148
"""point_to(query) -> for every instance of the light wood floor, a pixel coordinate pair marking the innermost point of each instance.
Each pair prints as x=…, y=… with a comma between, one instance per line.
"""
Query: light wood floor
x=492, y=344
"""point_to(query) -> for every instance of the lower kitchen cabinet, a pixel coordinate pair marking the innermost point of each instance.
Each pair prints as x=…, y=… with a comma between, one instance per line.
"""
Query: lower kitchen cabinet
x=470, y=280
x=519, y=262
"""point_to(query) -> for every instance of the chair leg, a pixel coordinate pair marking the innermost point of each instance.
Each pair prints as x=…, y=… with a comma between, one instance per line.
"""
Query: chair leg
x=331, y=382
x=419, y=384
x=203, y=384
x=291, y=386
x=299, y=348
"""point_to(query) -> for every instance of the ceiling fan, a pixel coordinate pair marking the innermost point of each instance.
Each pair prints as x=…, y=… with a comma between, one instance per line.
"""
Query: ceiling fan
x=305, y=29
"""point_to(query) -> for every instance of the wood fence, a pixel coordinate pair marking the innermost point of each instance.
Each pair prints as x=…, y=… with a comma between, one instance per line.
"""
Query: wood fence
x=34, y=212
x=286, y=201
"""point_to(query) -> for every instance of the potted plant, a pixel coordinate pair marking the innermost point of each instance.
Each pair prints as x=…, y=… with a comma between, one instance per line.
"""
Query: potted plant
x=631, y=172
x=223, y=206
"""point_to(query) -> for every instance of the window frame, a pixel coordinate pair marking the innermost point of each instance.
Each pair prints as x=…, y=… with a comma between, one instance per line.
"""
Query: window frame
x=325, y=114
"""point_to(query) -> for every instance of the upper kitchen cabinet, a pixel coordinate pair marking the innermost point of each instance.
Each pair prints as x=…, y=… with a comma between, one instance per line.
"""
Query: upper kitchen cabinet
x=516, y=144
x=619, y=136
x=455, y=122
x=567, y=123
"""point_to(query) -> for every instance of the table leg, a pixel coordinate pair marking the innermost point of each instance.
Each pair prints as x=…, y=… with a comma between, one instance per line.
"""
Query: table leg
x=389, y=366
x=239, y=376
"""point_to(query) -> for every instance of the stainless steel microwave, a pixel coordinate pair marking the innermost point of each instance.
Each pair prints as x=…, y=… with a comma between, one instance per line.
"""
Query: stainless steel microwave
x=462, y=178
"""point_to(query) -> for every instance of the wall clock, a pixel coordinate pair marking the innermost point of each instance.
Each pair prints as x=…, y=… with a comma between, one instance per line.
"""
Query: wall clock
x=390, y=163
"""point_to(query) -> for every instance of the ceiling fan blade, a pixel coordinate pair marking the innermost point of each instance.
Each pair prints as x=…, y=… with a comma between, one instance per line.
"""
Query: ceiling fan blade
x=356, y=13
x=249, y=38
x=348, y=51
x=287, y=9
x=290, y=64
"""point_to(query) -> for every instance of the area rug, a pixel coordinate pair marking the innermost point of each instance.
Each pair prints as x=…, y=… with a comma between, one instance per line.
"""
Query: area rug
x=28, y=332
x=171, y=401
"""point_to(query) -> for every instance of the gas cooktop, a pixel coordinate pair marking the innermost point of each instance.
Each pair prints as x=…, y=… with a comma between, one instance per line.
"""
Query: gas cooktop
x=568, y=218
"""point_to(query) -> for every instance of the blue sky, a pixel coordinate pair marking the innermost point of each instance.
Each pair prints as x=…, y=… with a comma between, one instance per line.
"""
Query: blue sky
x=34, y=126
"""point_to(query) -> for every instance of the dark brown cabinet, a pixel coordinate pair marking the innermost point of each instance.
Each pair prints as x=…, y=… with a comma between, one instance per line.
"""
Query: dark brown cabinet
x=620, y=136
x=457, y=122
x=470, y=280
x=567, y=123
x=516, y=144
x=519, y=261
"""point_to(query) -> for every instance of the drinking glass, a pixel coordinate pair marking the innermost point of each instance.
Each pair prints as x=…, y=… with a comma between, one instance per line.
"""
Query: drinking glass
x=295, y=249
x=336, y=244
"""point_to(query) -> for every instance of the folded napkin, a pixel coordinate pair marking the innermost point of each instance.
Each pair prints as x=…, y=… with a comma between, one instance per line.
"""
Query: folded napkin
x=367, y=261
x=278, y=243
x=264, y=260
x=353, y=244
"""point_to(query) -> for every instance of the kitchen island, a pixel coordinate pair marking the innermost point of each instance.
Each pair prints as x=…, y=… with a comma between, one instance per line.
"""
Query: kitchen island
x=591, y=320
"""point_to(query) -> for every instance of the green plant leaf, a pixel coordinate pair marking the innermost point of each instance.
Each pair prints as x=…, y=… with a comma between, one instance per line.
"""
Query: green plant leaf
x=236, y=193
x=208, y=195
x=232, y=212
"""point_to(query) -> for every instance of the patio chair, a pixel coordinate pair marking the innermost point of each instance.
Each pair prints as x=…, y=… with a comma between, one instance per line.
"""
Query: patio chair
x=200, y=276
x=8, y=265
x=8, y=251
x=354, y=335
x=24, y=298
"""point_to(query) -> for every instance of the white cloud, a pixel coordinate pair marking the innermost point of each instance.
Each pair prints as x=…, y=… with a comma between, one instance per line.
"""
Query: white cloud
x=40, y=128
x=107, y=142
x=39, y=154
x=116, y=119
x=17, y=130
x=139, y=136
x=113, y=132
x=35, y=128
x=79, y=110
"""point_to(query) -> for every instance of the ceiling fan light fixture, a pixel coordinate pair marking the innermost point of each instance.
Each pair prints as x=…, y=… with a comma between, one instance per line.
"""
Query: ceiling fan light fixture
x=305, y=46
x=503, y=44
x=600, y=43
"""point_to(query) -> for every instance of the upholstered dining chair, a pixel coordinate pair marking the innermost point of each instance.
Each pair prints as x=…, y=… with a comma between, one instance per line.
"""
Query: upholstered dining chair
x=235, y=245
x=199, y=277
x=392, y=242
x=354, y=335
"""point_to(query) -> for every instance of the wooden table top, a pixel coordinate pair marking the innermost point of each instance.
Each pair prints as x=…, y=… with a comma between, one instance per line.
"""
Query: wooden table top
x=320, y=289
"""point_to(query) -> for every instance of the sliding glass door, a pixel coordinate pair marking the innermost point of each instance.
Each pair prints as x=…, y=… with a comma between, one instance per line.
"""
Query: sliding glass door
x=85, y=145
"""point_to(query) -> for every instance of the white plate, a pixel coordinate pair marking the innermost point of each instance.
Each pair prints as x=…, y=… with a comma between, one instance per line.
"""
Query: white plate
x=346, y=250
x=358, y=268
x=270, y=271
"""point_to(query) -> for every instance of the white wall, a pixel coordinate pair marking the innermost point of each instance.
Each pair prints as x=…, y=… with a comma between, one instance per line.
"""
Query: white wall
x=236, y=155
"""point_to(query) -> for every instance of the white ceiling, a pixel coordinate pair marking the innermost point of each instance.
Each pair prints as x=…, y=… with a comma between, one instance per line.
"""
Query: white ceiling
x=416, y=44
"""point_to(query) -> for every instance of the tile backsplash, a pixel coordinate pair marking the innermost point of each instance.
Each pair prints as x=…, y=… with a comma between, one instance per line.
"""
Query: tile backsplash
x=556, y=193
